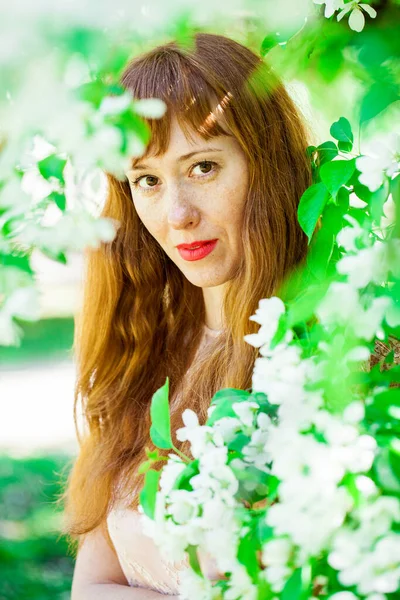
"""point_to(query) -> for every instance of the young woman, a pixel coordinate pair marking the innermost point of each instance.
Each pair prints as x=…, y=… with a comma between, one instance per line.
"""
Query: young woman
x=224, y=171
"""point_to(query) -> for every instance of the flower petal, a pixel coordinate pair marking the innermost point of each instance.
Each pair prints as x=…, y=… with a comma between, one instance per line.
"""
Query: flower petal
x=368, y=9
x=356, y=20
x=343, y=12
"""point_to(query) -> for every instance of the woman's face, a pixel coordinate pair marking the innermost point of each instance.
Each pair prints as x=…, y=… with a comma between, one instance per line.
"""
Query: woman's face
x=182, y=200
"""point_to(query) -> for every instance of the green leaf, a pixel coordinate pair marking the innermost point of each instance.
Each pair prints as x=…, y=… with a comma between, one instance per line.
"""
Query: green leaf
x=327, y=152
x=160, y=430
x=336, y=173
x=377, y=200
x=52, y=166
x=269, y=42
x=229, y=393
x=322, y=244
x=304, y=305
x=264, y=532
x=384, y=400
x=239, y=442
x=92, y=92
x=223, y=401
x=152, y=456
x=378, y=97
x=149, y=492
x=341, y=131
x=395, y=191
x=145, y=466
x=310, y=151
x=57, y=256
x=183, y=480
x=310, y=208
x=394, y=457
x=263, y=588
x=293, y=587
x=345, y=146
x=194, y=560
x=386, y=478
x=247, y=554
x=21, y=262
x=59, y=199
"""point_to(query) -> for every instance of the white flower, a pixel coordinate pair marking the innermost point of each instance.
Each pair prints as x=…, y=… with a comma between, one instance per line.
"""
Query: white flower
x=245, y=411
x=280, y=375
x=113, y=105
x=222, y=542
x=240, y=585
x=357, y=19
x=199, y=436
x=341, y=304
x=219, y=479
x=309, y=512
x=371, y=264
x=227, y=427
x=348, y=236
x=382, y=157
x=182, y=506
x=254, y=452
x=275, y=555
x=23, y=303
x=330, y=6
x=368, y=555
x=170, y=472
x=192, y=586
x=344, y=596
x=354, y=412
x=153, y=108
x=73, y=231
x=267, y=315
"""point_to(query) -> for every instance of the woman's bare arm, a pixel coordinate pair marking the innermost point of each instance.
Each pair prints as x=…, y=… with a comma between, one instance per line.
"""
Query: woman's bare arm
x=98, y=574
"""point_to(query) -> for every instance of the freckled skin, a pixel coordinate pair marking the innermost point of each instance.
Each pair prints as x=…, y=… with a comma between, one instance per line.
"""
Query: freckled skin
x=190, y=203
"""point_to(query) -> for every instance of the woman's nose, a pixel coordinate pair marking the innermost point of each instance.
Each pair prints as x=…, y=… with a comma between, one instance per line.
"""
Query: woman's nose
x=181, y=208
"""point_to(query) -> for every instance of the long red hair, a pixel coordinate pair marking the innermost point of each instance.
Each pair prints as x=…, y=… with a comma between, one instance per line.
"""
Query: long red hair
x=141, y=319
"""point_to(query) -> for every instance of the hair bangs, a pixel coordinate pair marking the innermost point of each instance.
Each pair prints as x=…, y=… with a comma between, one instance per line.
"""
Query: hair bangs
x=194, y=101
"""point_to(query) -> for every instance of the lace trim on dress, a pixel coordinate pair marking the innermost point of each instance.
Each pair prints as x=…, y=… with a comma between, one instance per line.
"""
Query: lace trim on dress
x=143, y=566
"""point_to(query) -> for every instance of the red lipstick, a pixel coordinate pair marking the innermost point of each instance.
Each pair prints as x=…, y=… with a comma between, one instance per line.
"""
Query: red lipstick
x=196, y=250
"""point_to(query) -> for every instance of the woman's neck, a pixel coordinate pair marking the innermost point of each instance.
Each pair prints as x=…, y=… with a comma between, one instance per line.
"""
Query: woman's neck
x=213, y=302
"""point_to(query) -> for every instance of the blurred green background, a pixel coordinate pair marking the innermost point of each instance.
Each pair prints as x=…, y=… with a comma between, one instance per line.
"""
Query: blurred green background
x=33, y=557
x=34, y=560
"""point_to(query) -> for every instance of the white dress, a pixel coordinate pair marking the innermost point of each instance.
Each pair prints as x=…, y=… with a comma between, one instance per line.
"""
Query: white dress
x=141, y=560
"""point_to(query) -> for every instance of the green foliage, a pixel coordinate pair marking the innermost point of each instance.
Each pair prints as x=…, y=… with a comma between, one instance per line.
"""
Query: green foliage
x=41, y=340
x=160, y=431
x=341, y=131
x=194, y=560
x=311, y=205
x=223, y=401
x=148, y=493
x=34, y=562
x=336, y=173
x=52, y=166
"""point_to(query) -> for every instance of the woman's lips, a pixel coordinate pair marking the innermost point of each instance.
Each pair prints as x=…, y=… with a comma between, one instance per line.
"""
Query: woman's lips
x=197, y=253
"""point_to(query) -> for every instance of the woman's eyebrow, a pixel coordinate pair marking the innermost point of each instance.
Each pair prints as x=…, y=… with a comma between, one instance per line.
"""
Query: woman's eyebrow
x=180, y=159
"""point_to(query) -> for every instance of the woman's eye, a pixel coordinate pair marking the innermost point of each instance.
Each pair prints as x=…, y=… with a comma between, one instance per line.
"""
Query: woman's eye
x=209, y=166
x=206, y=163
x=137, y=181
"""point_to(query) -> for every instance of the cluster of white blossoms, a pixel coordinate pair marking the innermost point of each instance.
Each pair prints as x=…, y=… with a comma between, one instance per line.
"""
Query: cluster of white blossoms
x=381, y=158
x=366, y=261
x=311, y=452
x=355, y=9
x=312, y=505
x=365, y=552
x=206, y=515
